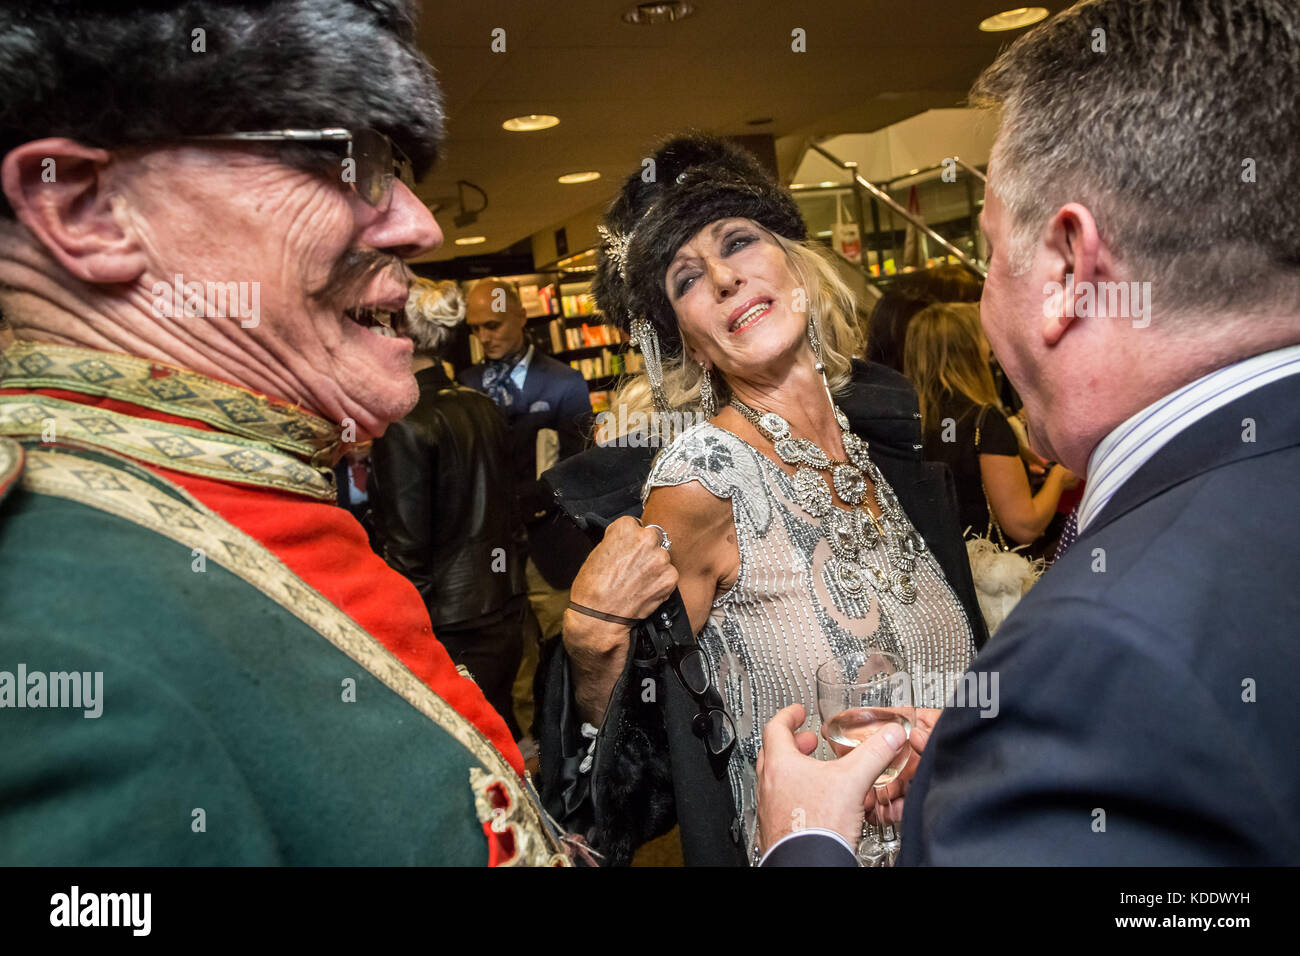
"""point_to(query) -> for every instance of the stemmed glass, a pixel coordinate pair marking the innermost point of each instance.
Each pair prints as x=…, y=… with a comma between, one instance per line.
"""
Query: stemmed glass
x=858, y=694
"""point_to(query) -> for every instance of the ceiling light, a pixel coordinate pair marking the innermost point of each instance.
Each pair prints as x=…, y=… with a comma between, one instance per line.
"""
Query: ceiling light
x=470, y=240
x=530, y=123
x=651, y=14
x=1013, y=19
x=570, y=178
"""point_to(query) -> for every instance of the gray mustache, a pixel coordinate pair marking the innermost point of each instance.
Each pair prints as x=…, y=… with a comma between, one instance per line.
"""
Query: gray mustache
x=353, y=272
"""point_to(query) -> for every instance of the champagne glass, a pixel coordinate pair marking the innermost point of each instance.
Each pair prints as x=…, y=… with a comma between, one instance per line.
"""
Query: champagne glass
x=859, y=693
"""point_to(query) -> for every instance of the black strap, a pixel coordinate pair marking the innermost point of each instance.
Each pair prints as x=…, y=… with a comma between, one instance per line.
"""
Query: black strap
x=602, y=616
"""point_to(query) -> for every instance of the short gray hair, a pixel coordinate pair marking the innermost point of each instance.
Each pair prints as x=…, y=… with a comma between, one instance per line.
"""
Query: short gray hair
x=1155, y=135
x=433, y=310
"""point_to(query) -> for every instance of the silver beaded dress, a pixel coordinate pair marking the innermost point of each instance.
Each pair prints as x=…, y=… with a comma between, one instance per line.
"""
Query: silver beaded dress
x=793, y=606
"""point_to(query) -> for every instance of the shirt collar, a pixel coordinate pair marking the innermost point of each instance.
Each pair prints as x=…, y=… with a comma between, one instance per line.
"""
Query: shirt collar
x=1138, y=438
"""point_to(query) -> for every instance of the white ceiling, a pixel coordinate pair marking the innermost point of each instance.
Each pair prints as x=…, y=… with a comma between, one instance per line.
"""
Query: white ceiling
x=619, y=88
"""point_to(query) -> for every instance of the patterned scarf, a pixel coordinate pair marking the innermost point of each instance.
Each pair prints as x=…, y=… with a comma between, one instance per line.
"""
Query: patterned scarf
x=497, y=382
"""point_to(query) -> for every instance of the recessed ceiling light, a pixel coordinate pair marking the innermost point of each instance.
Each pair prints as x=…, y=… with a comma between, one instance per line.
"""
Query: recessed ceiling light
x=530, y=123
x=1013, y=19
x=650, y=14
x=570, y=178
x=470, y=240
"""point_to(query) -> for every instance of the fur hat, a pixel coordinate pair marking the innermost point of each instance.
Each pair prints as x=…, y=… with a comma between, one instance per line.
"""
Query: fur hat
x=694, y=180
x=111, y=73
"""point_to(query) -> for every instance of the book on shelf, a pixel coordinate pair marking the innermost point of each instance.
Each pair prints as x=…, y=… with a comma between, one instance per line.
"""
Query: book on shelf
x=608, y=364
x=565, y=338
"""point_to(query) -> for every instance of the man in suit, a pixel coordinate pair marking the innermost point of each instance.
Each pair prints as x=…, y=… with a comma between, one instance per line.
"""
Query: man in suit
x=1146, y=711
x=534, y=392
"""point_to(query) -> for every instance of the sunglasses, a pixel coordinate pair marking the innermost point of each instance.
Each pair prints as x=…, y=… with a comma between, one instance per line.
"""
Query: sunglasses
x=376, y=162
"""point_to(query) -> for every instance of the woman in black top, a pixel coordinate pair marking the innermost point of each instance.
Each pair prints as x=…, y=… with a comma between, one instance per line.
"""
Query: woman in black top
x=946, y=357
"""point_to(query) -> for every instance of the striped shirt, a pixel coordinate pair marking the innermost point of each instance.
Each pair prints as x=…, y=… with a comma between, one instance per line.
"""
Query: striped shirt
x=1130, y=446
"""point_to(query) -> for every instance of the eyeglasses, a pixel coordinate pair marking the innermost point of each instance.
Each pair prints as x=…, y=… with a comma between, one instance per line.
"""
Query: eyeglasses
x=711, y=724
x=373, y=161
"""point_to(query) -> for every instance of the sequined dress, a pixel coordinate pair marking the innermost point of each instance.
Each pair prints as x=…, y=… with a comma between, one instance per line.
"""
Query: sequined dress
x=789, y=610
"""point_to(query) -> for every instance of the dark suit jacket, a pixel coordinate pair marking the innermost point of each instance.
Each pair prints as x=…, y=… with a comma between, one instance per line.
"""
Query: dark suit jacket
x=1156, y=697
x=553, y=396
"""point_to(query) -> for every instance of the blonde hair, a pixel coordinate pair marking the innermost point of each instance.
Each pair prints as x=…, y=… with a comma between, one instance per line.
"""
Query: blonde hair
x=946, y=353
x=831, y=306
x=433, y=309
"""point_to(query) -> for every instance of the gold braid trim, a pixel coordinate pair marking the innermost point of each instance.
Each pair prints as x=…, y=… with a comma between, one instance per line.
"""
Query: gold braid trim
x=178, y=447
x=498, y=801
x=171, y=389
x=64, y=474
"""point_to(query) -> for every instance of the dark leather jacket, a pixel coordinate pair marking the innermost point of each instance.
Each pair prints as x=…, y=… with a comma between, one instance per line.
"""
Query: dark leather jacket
x=445, y=513
x=648, y=769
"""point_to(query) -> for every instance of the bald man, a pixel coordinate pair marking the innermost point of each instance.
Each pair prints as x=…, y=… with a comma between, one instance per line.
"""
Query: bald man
x=533, y=390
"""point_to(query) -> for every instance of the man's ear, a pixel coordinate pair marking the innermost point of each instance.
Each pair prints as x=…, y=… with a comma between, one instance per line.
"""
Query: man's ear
x=1077, y=256
x=58, y=189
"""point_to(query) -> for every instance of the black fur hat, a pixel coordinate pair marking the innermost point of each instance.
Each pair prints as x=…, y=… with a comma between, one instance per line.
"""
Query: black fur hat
x=111, y=73
x=695, y=180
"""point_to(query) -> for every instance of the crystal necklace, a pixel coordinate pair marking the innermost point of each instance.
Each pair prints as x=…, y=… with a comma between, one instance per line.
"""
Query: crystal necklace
x=864, y=549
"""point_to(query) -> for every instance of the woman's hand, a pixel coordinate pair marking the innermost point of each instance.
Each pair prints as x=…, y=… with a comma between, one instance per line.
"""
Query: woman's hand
x=628, y=574
x=1067, y=478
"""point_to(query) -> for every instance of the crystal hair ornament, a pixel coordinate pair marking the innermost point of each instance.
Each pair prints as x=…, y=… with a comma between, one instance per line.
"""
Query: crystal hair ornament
x=616, y=244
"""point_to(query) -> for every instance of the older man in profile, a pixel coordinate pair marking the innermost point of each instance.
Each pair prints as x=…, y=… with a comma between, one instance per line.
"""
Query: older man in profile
x=190, y=277
x=1147, y=155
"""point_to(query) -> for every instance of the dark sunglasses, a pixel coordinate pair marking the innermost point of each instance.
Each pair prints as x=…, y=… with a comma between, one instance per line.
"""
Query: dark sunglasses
x=376, y=160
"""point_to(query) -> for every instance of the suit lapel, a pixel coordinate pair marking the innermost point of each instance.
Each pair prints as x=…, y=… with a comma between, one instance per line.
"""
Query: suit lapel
x=1214, y=441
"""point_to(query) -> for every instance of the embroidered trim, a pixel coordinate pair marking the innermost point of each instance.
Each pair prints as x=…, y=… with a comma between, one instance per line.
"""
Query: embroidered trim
x=497, y=801
x=11, y=464
x=178, y=391
x=64, y=474
x=179, y=447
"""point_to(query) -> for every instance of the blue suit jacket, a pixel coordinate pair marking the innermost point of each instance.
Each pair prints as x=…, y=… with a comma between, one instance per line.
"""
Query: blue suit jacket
x=553, y=396
x=1157, y=698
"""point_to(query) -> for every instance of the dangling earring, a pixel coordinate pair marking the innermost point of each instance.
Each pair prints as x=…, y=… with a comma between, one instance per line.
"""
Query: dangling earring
x=819, y=363
x=815, y=340
x=647, y=340
x=707, y=400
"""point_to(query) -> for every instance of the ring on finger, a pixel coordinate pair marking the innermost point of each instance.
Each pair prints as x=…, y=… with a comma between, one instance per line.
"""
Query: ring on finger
x=664, y=541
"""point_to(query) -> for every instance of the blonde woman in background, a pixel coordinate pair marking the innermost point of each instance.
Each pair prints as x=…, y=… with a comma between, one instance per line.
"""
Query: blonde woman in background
x=946, y=357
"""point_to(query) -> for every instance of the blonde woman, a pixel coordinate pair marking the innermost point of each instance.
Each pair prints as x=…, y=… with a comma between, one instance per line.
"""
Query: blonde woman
x=946, y=356
x=786, y=542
